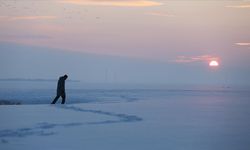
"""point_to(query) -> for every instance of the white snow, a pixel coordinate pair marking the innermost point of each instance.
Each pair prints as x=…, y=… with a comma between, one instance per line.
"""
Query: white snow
x=166, y=124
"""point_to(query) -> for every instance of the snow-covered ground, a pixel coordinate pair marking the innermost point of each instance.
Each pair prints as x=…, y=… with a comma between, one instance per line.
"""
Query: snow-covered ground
x=158, y=124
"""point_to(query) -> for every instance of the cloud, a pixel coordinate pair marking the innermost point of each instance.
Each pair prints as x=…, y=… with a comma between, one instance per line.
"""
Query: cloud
x=239, y=6
x=118, y=3
x=243, y=44
x=13, y=18
x=3, y=17
x=26, y=36
x=191, y=59
x=160, y=14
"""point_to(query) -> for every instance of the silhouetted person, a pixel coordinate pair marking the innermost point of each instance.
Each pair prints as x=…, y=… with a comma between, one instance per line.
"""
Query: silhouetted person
x=61, y=89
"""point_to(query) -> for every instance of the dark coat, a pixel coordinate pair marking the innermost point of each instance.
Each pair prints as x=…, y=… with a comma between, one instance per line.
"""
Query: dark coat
x=61, y=86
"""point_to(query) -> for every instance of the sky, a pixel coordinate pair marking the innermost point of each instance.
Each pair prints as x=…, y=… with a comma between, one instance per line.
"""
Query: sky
x=128, y=41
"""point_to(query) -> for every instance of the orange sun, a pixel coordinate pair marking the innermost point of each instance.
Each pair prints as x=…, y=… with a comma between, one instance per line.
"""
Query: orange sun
x=213, y=63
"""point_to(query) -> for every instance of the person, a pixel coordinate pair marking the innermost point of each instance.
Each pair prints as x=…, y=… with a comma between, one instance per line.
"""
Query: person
x=61, y=89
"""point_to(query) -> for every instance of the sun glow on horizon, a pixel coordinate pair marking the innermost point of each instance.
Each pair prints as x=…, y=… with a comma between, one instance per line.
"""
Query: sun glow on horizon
x=213, y=63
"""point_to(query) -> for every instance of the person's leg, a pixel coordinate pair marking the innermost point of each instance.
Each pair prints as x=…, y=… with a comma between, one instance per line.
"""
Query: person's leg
x=56, y=98
x=63, y=98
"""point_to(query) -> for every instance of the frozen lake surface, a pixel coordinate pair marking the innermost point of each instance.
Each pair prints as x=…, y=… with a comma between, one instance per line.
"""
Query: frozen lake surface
x=176, y=119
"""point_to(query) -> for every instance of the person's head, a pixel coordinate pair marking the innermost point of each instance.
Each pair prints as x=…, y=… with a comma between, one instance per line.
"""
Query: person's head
x=65, y=76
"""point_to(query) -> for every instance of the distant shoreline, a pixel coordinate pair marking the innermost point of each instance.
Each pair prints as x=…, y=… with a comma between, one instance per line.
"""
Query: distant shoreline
x=35, y=80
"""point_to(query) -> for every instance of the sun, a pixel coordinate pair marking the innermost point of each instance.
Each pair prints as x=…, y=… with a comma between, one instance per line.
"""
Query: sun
x=213, y=63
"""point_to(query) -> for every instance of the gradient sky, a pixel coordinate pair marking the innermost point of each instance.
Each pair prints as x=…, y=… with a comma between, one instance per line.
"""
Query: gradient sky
x=181, y=36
